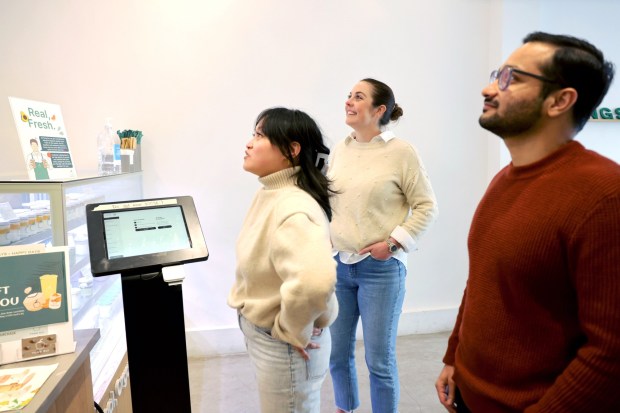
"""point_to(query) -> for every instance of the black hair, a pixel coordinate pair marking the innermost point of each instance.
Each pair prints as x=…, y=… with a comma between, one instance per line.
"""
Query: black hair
x=382, y=95
x=34, y=141
x=284, y=126
x=578, y=64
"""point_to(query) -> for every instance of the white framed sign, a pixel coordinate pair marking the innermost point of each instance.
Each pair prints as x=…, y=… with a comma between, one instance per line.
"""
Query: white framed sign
x=43, y=139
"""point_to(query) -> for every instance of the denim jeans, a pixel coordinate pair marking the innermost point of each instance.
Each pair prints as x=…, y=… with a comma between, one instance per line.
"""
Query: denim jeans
x=286, y=382
x=373, y=290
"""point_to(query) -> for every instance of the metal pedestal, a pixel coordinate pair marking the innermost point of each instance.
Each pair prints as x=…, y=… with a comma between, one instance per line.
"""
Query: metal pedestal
x=156, y=349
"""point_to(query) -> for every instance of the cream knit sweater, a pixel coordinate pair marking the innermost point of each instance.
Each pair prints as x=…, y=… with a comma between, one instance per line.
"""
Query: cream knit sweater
x=383, y=191
x=285, y=273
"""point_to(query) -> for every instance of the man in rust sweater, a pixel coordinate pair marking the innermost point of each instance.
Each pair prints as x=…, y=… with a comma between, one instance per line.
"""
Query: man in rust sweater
x=538, y=329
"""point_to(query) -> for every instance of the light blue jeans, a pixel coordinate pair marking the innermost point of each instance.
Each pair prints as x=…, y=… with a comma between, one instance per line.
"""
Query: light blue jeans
x=373, y=290
x=286, y=382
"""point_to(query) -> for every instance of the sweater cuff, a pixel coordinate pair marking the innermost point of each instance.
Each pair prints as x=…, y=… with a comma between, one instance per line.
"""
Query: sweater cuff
x=404, y=238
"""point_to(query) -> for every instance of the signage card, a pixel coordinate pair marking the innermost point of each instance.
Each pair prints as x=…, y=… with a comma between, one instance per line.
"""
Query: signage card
x=43, y=139
x=35, y=303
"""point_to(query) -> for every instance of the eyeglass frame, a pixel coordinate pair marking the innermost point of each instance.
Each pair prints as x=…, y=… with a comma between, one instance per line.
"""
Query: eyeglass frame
x=496, y=74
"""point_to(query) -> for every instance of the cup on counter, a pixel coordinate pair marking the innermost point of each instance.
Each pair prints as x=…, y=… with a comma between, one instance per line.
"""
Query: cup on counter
x=86, y=286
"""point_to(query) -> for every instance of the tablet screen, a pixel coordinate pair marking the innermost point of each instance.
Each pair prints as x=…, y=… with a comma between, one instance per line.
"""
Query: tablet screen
x=144, y=235
x=145, y=231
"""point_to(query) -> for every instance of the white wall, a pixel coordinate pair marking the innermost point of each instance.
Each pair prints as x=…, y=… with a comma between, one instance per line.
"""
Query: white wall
x=194, y=74
x=598, y=23
x=595, y=21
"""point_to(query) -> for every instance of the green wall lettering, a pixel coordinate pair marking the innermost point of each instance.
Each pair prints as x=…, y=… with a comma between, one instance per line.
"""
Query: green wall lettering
x=603, y=113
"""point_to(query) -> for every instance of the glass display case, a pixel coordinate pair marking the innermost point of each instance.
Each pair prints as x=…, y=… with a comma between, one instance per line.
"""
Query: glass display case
x=53, y=213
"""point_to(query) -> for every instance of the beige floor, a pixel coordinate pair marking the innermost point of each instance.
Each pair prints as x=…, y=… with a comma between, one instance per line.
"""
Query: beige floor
x=226, y=384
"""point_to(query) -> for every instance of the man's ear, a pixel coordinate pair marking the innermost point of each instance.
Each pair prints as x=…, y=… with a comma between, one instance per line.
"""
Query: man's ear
x=561, y=101
x=295, y=149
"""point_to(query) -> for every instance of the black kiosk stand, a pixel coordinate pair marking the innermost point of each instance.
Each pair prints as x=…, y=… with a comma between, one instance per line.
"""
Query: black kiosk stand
x=147, y=242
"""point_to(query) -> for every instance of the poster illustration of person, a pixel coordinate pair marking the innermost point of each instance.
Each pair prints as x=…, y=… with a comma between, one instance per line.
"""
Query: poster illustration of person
x=43, y=139
x=37, y=162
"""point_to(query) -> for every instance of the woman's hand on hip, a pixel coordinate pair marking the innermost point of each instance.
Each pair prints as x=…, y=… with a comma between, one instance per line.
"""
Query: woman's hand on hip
x=378, y=250
x=311, y=345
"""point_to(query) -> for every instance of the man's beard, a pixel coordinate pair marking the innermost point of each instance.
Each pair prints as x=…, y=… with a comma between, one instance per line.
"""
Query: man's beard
x=521, y=117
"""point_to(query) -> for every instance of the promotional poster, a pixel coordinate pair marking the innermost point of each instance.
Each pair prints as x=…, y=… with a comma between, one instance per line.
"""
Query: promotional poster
x=35, y=303
x=33, y=290
x=43, y=139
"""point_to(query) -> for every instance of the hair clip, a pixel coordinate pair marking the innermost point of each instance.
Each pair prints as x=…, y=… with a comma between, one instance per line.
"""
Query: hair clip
x=321, y=162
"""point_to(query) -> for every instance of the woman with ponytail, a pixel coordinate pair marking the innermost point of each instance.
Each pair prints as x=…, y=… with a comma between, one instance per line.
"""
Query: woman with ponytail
x=285, y=277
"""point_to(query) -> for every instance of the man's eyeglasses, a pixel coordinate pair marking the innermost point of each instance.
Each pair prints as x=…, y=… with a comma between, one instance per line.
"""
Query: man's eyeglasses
x=504, y=76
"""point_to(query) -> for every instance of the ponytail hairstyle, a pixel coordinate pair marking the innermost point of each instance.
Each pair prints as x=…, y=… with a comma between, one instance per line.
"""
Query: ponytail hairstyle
x=284, y=126
x=382, y=95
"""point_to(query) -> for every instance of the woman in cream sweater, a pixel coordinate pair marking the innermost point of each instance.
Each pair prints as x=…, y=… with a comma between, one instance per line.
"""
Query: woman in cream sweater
x=385, y=202
x=285, y=277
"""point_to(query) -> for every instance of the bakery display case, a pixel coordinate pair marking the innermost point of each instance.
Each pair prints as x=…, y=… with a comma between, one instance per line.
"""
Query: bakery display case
x=53, y=213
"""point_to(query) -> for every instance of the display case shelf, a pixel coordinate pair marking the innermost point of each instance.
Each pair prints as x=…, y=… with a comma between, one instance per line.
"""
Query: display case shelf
x=100, y=305
x=45, y=236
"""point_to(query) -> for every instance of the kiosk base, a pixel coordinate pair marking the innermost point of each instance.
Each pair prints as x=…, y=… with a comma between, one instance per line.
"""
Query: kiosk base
x=156, y=349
